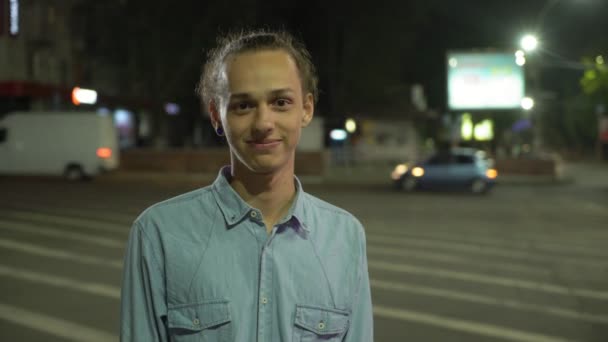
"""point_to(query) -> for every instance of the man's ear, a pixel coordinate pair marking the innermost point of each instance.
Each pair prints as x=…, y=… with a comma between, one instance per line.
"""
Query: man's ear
x=214, y=114
x=309, y=109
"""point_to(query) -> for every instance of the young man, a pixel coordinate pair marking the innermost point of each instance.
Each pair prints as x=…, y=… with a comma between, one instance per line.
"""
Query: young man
x=251, y=257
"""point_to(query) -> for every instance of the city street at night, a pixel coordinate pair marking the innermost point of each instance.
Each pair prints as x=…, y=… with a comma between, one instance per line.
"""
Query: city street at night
x=466, y=143
x=527, y=262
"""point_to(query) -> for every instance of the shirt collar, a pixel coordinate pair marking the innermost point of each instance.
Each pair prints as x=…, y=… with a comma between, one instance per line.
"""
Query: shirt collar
x=234, y=208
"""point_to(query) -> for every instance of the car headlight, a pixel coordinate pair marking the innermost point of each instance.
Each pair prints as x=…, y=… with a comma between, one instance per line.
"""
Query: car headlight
x=417, y=172
x=399, y=171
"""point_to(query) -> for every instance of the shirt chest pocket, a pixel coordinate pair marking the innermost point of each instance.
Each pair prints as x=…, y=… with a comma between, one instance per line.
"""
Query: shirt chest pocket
x=200, y=322
x=319, y=324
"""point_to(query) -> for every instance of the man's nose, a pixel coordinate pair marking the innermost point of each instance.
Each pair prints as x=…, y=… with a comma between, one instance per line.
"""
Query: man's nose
x=264, y=120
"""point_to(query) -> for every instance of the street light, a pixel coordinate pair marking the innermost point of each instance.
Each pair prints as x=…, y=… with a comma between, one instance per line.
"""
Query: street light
x=529, y=43
x=351, y=126
x=520, y=58
x=527, y=103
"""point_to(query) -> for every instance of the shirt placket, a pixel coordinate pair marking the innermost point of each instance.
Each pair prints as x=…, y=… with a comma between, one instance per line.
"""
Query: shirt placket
x=265, y=287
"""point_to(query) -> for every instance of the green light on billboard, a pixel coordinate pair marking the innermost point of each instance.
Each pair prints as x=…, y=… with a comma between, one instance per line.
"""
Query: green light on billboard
x=466, y=127
x=484, y=131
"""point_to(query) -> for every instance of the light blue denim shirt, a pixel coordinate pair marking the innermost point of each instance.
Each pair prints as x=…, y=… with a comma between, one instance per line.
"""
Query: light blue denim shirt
x=202, y=267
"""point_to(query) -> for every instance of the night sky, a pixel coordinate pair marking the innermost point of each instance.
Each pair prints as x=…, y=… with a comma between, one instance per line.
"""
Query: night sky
x=365, y=52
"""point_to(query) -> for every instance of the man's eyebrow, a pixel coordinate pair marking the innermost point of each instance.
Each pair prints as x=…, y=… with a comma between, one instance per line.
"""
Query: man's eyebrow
x=246, y=96
x=281, y=91
x=240, y=96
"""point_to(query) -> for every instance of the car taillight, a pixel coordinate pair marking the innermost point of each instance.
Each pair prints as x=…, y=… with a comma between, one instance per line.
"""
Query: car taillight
x=491, y=173
x=104, y=152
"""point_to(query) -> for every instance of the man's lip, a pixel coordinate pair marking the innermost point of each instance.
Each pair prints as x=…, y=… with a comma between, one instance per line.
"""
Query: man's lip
x=263, y=142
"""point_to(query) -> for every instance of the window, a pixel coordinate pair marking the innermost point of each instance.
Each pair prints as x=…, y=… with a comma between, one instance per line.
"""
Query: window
x=3, y=134
x=440, y=159
x=462, y=159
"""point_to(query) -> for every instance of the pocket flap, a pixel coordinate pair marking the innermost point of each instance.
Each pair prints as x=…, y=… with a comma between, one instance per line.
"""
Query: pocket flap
x=199, y=316
x=321, y=321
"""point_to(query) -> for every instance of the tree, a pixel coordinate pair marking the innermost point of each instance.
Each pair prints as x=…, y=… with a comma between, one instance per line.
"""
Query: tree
x=594, y=82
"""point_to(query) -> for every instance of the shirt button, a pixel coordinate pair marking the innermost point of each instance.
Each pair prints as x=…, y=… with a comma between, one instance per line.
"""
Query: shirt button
x=264, y=300
x=321, y=325
x=254, y=214
x=196, y=321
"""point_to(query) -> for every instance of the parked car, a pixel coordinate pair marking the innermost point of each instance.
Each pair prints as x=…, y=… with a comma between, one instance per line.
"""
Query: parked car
x=455, y=169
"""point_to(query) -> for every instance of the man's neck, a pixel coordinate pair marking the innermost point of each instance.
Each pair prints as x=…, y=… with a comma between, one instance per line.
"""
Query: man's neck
x=271, y=193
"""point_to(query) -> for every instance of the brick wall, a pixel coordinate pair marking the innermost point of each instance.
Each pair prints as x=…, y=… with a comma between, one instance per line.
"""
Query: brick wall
x=527, y=167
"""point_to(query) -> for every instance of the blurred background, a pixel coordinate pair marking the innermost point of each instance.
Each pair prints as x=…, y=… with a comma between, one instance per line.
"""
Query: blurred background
x=470, y=137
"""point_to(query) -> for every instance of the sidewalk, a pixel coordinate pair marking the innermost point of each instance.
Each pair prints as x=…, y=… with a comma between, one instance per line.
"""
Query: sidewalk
x=592, y=174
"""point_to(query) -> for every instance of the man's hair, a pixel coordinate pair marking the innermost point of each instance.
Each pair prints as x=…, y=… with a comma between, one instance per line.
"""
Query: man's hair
x=211, y=82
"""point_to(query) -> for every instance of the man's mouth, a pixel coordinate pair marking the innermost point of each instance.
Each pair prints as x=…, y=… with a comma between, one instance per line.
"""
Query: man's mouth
x=264, y=144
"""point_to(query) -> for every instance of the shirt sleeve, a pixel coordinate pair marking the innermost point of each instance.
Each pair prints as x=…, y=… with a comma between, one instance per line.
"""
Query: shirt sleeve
x=143, y=304
x=362, y=322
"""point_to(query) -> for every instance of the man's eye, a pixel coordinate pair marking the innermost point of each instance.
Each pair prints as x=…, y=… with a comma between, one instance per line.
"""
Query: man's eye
x=282, y=102
x=240, y=106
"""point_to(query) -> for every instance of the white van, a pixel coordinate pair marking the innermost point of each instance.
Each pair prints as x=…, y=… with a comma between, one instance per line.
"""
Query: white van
x=77, y=145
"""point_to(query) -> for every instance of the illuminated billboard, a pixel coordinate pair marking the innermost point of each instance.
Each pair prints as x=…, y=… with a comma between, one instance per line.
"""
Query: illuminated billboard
x=484, y=81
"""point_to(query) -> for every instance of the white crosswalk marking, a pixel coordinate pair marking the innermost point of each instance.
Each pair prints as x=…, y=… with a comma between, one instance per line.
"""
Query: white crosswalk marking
x=471, y=248
x=490, y=284
x=590, y=248
x=487, y=300
x=452, y=258
x=379, y=284
x=487, y=279
x=62, y=282
x=71, y=211
x=58, y=254
x=63, y=234
x=53, y=326
x=462, y=325
x=61, y=220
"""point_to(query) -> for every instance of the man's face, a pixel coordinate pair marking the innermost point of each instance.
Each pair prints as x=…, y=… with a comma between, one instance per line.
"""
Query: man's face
x=263, y=110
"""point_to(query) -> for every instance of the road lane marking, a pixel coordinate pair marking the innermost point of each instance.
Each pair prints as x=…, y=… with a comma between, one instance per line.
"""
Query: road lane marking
x=457, y=259
x=53, y=207
x=538, y=244
x=62, y=220
x=107, y=215
x=455, y=295
x=86, y=259
x=485, y=250
x=53, y=325
x=583, y=238
x=487, y=300
x=39, y=250
x=98, y=289
x=475, y=328
x=109, y=203
x=62, y=234
x=488, y=279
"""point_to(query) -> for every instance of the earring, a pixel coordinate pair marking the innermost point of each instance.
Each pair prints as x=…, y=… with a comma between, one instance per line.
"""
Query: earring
x=219, y=131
